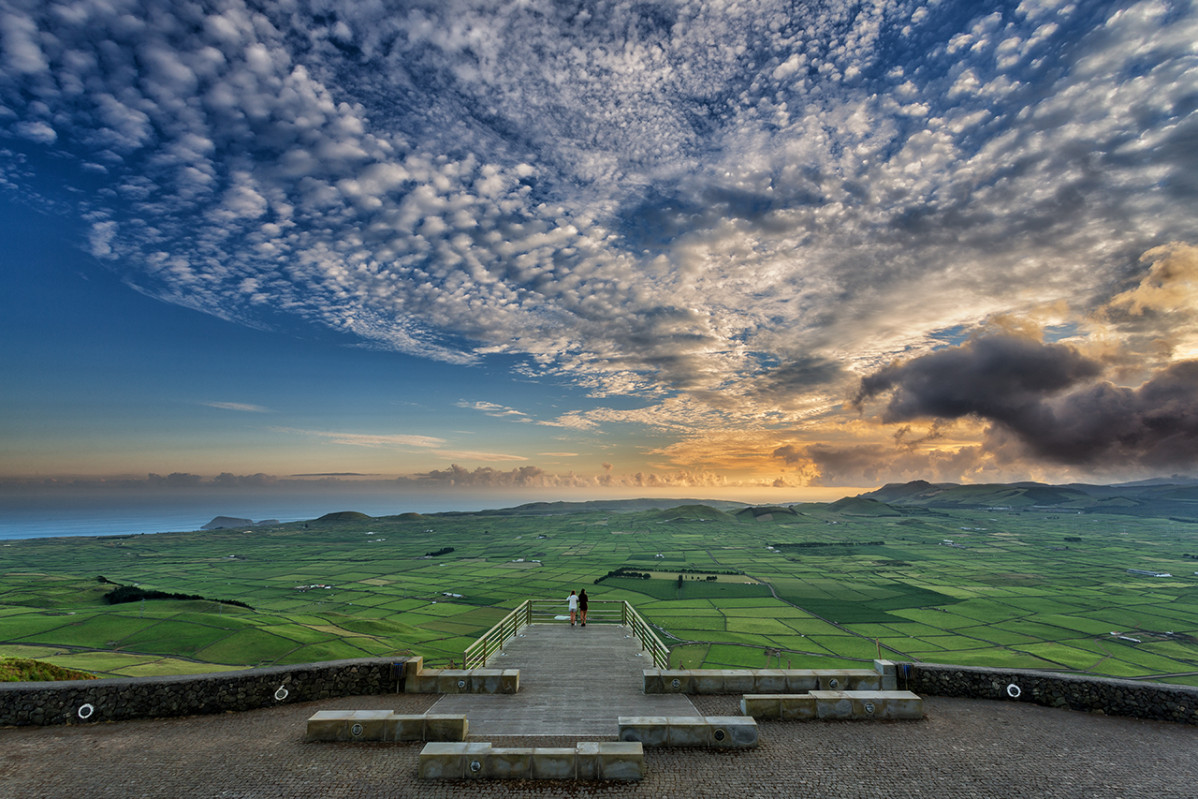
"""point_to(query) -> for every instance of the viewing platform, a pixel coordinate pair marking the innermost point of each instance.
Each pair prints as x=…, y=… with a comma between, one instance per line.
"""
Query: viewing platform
x=573, y=681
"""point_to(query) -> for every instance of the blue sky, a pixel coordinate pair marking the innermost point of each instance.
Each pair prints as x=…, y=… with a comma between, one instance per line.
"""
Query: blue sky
x=768, y=250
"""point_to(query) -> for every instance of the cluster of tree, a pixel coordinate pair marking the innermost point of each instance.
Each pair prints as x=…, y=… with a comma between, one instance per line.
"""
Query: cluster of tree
x=623, y=572
x=713, y=571
x=132, y=593
x=439, y=552
x=711, y=578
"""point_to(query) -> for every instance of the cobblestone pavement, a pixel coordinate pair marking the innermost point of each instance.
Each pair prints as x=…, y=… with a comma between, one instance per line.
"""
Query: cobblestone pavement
x=964, y=748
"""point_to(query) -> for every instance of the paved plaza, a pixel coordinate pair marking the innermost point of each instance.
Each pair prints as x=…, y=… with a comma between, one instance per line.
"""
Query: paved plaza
x=963, y=748
x=574, y=681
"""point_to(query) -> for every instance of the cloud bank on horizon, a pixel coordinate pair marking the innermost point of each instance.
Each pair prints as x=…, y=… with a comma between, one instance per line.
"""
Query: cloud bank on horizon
x=820, y=242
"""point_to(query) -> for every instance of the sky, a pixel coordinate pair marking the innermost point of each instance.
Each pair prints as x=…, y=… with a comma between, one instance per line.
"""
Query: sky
x=755, y=250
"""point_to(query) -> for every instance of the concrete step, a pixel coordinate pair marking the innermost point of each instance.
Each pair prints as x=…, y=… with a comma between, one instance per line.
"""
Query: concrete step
x=385, y=725
x=758, y=681
x=602, y=760
x=849, y=705
x=463, y=681
x=713, y=732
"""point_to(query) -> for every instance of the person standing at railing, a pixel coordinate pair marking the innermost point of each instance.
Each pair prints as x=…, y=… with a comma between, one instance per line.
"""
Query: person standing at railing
x=572, y=603
x=582, y=606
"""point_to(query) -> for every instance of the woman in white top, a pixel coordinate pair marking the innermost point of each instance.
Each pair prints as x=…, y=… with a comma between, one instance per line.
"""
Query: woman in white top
x=572, y=601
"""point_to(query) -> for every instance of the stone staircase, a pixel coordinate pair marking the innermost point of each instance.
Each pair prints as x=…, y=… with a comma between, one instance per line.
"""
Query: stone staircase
x=773, y=694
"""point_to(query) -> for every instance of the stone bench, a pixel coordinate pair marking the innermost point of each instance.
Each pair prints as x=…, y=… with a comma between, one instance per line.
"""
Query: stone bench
x=716, y=732
x=604, y=760
x=463, y=681
x=385, y=725
x=763, y=681
x=853, y=705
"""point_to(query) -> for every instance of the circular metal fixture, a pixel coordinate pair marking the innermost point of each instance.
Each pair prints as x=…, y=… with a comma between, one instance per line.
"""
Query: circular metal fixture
x=282, y=693
x=476, y=766
x=833, y=683
x=719, y=735
x=869, y=708
x=355, y=730
x=85, y=711
x=461, y=683
x=1014, y=691
x=676, y=683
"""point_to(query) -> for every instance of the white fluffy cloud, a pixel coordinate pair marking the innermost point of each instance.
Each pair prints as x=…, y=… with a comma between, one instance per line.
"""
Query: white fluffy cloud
x=731, y=212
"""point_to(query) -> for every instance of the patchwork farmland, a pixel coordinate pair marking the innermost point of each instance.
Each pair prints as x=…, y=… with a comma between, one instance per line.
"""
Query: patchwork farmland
x=810, y=587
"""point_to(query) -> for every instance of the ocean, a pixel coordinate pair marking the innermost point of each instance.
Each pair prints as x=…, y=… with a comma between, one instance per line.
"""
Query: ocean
x=46, y=515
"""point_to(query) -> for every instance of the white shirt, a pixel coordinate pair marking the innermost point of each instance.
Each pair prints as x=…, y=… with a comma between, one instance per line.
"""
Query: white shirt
x=573, y=600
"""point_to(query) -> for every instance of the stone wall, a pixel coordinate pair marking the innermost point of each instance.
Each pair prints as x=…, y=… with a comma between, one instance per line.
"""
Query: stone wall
x=90, y=701
x=1146, y=700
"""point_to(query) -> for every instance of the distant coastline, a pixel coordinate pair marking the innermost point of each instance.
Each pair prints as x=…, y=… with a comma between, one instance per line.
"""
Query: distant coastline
x=51, y=517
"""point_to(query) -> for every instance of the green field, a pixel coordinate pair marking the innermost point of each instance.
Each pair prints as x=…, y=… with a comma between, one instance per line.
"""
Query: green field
x=1013, y=587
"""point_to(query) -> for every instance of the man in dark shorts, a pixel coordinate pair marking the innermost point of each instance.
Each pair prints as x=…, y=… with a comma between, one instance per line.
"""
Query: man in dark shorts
x=582, y=606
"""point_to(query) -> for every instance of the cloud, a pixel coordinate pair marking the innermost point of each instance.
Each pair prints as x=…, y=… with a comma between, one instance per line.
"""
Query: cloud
x=729, y=212
x=493, y=409
x=1154, y=425
x=995, y=377
x=486, y=477
x=401, y=440
x=1158, y=317
x=238, y=406
x=479, y=456
x=1049, y=402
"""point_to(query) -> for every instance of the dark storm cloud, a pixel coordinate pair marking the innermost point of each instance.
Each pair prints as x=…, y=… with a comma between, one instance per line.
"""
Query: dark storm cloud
x=1155, y=425
x=996, y=377
x=1048, y=399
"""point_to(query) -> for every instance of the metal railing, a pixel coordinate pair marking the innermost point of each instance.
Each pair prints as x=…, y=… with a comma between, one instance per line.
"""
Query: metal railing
x=553, y=611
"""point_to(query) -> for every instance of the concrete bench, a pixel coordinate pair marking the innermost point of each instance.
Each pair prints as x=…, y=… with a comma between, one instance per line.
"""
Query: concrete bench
x=603, y=760
x=853, y=705
x=761, y=681
x=385, y=725
x=715, y=732
x=463, y=681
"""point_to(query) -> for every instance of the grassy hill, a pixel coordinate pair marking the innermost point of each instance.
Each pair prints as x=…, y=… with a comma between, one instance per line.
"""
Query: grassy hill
x=345, y=516
x=693, y=513
x=607, y=505
x=941, y=574
x=765, y=513
x=27, y=670
x=862, y=506
x=1149, y=500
